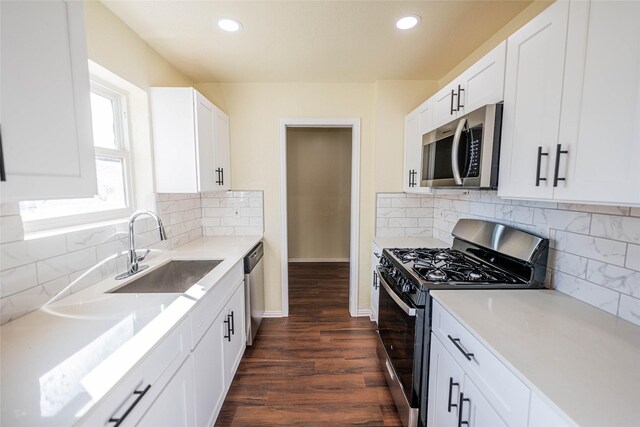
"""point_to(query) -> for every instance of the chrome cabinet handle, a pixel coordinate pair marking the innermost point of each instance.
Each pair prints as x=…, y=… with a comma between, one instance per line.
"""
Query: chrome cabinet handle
x=140, y=394
x=451, y=385
x=540, y=154
x=456, y=342
x=462, y=400
x=559, y=152
x=454, y=151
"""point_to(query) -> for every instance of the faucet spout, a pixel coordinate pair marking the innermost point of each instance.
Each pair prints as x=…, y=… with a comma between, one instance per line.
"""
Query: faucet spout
x=133, y=259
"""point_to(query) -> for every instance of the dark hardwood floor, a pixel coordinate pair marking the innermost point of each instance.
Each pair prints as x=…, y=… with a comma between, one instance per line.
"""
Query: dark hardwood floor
x=318, y=367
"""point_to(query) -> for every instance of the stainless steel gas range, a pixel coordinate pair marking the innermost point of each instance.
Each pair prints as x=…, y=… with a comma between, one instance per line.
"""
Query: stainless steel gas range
x=484, y=255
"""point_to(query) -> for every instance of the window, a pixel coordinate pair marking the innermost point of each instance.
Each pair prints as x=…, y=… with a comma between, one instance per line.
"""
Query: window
x=110, y=137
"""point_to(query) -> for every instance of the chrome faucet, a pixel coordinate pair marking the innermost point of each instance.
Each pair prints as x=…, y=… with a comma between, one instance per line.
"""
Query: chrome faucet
x=133, y=259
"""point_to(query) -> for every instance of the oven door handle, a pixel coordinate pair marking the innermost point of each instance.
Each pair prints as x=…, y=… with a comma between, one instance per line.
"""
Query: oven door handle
x=454, y=151
x=409, y=310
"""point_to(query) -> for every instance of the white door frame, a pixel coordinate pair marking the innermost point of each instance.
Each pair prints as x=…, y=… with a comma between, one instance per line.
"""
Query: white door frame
x=354, y=125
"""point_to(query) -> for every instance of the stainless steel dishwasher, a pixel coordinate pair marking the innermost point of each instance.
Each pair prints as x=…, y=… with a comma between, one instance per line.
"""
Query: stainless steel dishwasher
x=254, y=291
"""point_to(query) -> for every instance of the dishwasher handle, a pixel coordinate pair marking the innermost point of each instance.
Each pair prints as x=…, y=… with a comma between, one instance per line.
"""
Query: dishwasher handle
x=253, y=257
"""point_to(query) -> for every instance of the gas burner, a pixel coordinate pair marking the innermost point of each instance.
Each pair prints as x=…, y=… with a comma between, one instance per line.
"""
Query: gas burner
x=442, y=256
x=436, y=275
x=474, y=275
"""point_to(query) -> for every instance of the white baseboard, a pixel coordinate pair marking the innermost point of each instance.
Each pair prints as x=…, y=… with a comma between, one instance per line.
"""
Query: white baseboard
x=364, y=312
x=272, y=314
x=318, y=259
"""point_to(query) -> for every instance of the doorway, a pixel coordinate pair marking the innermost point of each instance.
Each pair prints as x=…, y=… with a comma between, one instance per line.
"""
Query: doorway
x=320, y=193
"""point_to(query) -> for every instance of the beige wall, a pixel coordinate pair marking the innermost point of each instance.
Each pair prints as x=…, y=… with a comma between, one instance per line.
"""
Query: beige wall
x=255, y=110
x=511, y=27
x=116, y=47
x=318, y=193
x=393, y=101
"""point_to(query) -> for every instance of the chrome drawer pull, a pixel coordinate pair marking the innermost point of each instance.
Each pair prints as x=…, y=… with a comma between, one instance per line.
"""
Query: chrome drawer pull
x=456, y=342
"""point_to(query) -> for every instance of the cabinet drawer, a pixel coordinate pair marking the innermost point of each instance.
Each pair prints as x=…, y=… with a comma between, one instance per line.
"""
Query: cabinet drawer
x=136, y=391
x=506, y=393
x=210, y=305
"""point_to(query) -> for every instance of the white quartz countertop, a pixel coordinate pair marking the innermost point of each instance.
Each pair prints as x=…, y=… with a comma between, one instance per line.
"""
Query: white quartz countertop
x=410, y=242
x=51, y=359
x=582, y=360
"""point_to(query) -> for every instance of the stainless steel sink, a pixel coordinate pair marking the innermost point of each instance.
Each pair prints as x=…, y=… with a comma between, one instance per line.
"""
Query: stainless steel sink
x=172, y=277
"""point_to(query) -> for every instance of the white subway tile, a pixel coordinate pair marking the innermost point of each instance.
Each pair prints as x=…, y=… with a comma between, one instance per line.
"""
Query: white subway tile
x=418, y=232
x=403, y=222
x=602, y=209
x=535, y=204
x=28, y=251
x=567, y=263
x=91, y=237
x=53, y=268
x=521, y=214
x=219, y=212
x=577, y=222
x=256, y=202
x=11, y=229
x=409, y=202
x=633, y=257
x=219, y=231
x=18, y=279
x=234, y=202
x=110, y=249
x=629, y=309
x=235, y=222
x=383, y=202
x=616, y=227
x=482, y=209
x=461, y=206
x=390, y=232
x=256, y=221
x=598, y=296
x=391, y=213
x=211, y=221
x=427, y=202
x=425, y=222
x=251, y=211
x=609, y=251
x=392, y=195
x=419, y=212
x=34, y=298
x=617, y=278
x=210, y=203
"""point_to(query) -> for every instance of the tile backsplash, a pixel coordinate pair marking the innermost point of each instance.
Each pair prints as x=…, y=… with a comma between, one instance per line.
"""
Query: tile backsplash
x=595, y=250
x=34, y=270
x=234, y=213
x=404, y=215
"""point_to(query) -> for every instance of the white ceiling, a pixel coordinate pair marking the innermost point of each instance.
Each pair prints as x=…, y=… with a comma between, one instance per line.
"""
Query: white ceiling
x=319, y=41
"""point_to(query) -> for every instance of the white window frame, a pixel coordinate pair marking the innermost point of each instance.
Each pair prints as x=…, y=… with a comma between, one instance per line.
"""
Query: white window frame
x=123, y=152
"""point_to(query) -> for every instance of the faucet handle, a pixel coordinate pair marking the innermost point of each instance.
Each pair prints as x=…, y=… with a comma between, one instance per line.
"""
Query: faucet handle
x=144, y=255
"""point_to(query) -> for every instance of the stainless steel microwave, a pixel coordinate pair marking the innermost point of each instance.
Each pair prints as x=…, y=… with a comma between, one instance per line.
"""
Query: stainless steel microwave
x=464, y=153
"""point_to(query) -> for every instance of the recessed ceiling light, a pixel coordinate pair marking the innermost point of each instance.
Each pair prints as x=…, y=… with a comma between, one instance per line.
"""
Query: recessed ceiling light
x=408, y=22
x=230, y=25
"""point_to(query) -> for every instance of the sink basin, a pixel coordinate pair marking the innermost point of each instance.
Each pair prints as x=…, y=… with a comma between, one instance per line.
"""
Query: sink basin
x=172, y=277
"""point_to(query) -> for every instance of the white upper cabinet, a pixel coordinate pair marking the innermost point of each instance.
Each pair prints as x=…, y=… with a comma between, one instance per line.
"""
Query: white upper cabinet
x=47, y=141
x=571, y=125
x=600, y=116
x=479, y=85
x=532, y=98
x=191, y=142
x=410, y=180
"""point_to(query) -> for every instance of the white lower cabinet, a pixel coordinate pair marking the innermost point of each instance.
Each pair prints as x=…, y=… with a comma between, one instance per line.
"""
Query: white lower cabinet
x=233, y=339
x=376, y=252
x=469, y=386
x=175, y=405
x=210, y=382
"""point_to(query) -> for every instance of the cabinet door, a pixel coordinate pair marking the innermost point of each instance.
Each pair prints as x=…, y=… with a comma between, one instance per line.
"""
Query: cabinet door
x=47, y=139
x=601, y=104
x=483, y=82
x=375, y=282
x=174, y=405
x=205, y=125
x=236, y=342
x=445, y=105
x=532, y=97
x=425, y=118
x=475, y=409
x=445, y=384
x=210, y=381
x=221, y=150
x=411, y=170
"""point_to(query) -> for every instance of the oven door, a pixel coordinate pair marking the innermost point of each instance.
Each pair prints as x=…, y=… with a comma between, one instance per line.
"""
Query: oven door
x=400, y=330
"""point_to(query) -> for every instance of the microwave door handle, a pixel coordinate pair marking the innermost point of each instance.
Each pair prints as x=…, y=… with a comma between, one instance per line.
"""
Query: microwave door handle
x=454, y=151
